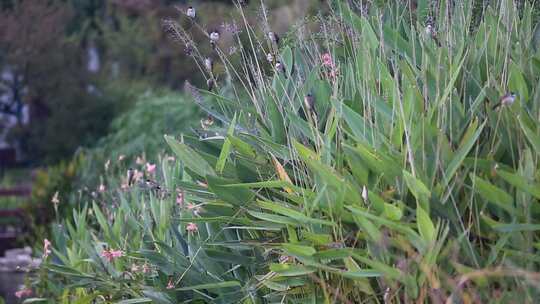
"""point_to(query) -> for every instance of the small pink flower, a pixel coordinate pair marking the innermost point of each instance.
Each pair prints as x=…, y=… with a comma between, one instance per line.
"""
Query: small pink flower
x=124, y=186
x=150, y=168
x=46, y=248
x=110, y=255
x=171, y=158
x=22, y=293
x=117, y=253
x=170, y=284
x=327, y=60
x=101, y=188
x=192, y=227
x=146, y=268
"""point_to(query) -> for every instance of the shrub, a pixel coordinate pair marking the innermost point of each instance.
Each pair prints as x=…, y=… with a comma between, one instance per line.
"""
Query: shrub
x=376, y=166
x=138, y=133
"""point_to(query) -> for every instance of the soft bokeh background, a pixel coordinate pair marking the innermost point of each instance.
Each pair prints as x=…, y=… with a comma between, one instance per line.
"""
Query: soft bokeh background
x=68, y=68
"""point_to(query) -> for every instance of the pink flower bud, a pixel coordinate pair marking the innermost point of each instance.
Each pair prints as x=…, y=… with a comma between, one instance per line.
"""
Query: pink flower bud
x=327, y=60
x=110, y=255
x=26, y=292
x=192, y=227
x=150, y=168
x=170, y=284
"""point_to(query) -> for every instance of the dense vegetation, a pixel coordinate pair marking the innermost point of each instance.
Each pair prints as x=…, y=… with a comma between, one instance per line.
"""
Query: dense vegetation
x=371, y=160
x=135, y=134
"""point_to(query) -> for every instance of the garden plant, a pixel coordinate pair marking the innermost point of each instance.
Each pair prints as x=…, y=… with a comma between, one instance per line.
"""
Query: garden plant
x=382, y=152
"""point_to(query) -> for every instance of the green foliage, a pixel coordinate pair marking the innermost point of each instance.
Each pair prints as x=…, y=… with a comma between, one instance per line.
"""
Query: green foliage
x=56, y=182
x=401, y=183
x=138, y=132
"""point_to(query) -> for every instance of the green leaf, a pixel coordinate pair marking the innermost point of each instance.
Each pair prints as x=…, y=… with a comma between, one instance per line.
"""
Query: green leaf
x=516, y=227
x=101, y=219
x=317, y=238
x=289, y=212
x=225, y=284
x=378, y=161
x=516, y=83
x=493, y=194
x=455, y=72
x=333, y=254
x=298, y=250
x=288, y=59
x=235, y=196
x=228, y=257
x=275, y=286
x=274, y=218
x=531, y=135
x=157, y=297
x=88, y=299
x=418, y=189
x=242, y=147
x=134, y=301
x=471, y=135
x=361, y=128
x=520, y=183
x=289, y=270
x=387, y=271
x=189, y=157
x=226, y=148
x=392, y=212
x=357, y=274
x=425, y=225
x=396, y=42
x=67, y=271
x=322, y=93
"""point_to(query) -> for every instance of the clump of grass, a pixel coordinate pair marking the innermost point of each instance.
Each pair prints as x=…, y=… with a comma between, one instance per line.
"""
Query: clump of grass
x=372, y=164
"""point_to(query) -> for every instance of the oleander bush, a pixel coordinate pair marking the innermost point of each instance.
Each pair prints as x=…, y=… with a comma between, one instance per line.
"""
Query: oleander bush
x=137, y=133
x=371, y=160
